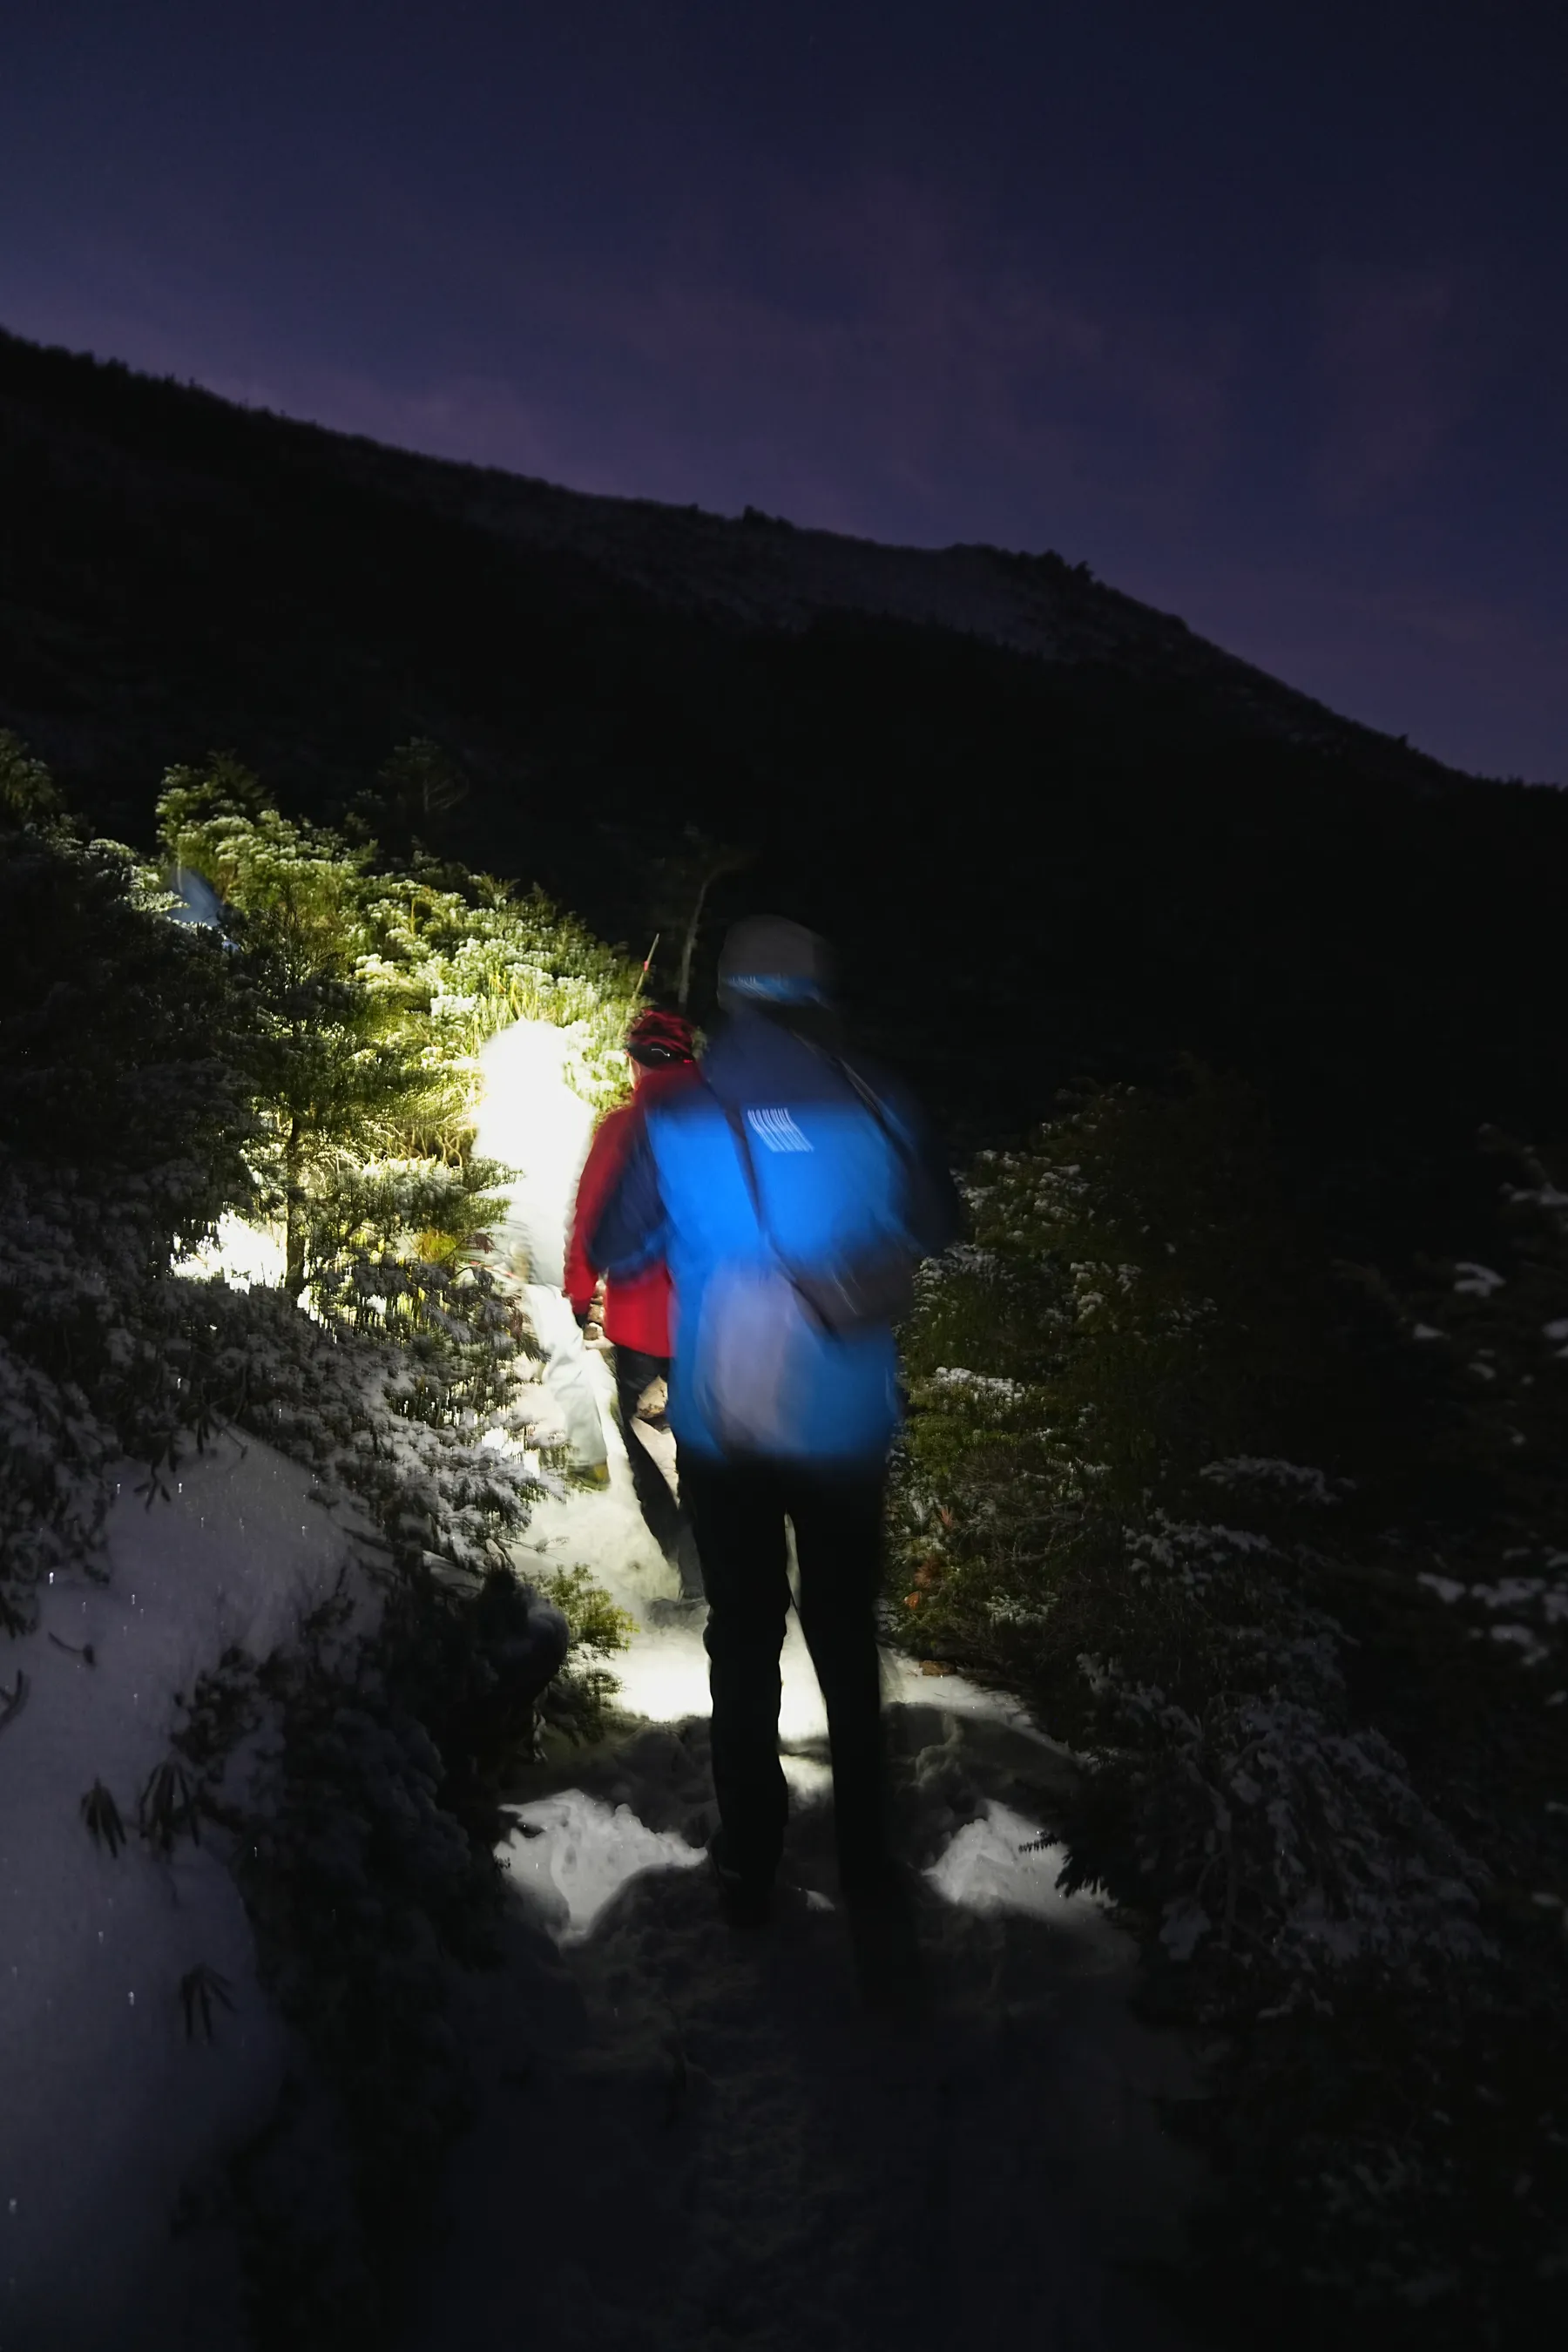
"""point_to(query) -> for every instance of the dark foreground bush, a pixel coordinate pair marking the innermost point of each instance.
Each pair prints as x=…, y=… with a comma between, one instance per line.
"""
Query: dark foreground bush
x=1235, y=1519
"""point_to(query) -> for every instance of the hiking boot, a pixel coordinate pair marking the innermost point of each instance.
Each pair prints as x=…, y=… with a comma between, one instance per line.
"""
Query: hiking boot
x=745, y=1902
x=683, y=1611
x=681, y=1554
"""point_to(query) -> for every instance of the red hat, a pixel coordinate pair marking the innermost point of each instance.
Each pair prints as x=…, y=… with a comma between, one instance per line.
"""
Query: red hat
x=655, y=1037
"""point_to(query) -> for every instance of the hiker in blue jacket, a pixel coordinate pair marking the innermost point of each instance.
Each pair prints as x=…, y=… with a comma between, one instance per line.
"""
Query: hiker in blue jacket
x=791, y=1195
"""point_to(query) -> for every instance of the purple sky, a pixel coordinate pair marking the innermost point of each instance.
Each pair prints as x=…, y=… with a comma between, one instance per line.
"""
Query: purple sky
x=1262, y=311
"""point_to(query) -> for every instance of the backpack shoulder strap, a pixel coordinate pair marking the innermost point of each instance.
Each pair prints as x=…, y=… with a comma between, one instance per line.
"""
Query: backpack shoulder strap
x=899, y=1142
x=737, y=1124
x=873, y=1103
x=736, y=1119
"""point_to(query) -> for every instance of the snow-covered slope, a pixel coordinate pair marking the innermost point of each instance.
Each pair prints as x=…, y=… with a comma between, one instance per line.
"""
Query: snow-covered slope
x=110, y=2102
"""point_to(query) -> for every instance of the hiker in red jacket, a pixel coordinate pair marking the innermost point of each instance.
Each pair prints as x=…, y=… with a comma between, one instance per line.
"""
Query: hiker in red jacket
x=637, y=1307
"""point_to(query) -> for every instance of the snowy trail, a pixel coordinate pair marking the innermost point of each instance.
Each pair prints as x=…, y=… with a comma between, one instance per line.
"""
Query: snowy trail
x=690, y=2138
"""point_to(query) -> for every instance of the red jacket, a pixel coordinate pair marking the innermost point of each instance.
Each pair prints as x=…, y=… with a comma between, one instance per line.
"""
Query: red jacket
x=636, y=1309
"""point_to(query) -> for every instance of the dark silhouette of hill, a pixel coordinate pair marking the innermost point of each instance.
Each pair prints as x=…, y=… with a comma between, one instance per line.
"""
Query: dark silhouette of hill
x=1052, y=830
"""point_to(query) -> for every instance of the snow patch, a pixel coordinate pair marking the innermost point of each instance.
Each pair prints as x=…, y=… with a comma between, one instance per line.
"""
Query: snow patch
x=243, y=1254
x=572, y=1854
x=109, y=2104
x=998, y=1862
x=1446, y=1588
x=531, y=1119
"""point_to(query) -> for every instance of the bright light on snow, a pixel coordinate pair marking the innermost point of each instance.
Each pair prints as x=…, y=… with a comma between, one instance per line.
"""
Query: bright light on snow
x=985, y=1868
x=664, y=1676
x=583, y=1853
x=530, y=1120
x=810, y=1779
x=241, y=1254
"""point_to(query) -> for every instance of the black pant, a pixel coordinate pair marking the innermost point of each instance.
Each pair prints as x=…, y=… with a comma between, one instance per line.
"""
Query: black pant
x=635, y=1373
x=738, y=1518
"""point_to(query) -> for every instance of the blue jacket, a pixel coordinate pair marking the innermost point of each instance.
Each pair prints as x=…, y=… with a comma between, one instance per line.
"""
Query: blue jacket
x=833, y=1185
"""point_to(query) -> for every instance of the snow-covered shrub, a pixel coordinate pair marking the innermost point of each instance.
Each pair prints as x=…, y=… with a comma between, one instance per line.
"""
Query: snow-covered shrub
x=1133, y=1322
x=123, y=1125
x=1492, y=1342
x=429, y=1438
x=55, y=1448
x=577, y=1702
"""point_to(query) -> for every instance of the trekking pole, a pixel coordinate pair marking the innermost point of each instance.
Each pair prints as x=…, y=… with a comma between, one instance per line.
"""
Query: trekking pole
x=646, y=961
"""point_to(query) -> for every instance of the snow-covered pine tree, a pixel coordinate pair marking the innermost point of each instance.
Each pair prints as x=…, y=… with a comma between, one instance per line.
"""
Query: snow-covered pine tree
x=360, y=1120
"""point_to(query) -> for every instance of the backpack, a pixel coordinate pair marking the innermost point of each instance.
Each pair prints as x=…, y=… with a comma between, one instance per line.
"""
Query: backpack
x=762, y=1327
x=755, y=1346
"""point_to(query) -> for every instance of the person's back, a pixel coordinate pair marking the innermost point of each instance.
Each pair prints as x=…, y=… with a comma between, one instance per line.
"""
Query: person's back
x=779, y=1129
x=781, y=1194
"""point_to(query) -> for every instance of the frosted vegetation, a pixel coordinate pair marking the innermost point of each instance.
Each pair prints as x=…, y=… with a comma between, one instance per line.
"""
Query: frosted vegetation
x=1280, y=1549
x=301, y=1083
x=311, y=1075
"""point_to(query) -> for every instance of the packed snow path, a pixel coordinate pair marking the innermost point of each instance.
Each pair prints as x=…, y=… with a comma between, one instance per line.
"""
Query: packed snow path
x=691, y=2137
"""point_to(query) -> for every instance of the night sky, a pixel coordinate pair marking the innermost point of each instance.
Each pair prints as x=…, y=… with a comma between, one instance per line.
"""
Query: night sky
x=1260, y=311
